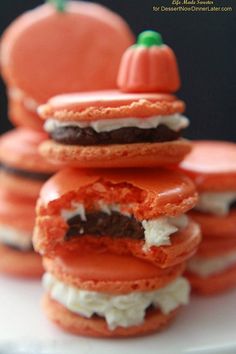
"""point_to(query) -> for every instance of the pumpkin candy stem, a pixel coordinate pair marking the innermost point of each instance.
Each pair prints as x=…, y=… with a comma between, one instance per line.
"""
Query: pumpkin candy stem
x=60, y=5
x=150, y=38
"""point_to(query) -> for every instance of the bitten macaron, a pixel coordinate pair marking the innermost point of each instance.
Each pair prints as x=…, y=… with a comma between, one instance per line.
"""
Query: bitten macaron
x=125, y=212
x=135, y=126
x=22, y=169
x=62, y=46
x=212, y=166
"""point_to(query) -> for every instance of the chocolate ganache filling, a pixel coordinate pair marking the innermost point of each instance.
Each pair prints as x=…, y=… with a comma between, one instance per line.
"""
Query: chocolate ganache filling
x=233, y=205
x=38, y=176
x=98, y=223
x=72, y=135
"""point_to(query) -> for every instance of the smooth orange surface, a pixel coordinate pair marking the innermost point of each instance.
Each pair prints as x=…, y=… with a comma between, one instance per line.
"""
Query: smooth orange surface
x=19, y=149
x=20, y=264
x=105, y=266
x=105, y=272
x=152, y=69
x=216, y=226
x=45, y=52
x=20, y=186
x=17, y=212
x=212, y=165
x=214, y=247
x=20, y=116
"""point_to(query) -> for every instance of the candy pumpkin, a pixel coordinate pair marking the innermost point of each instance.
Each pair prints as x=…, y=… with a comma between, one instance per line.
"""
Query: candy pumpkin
x=149, y=66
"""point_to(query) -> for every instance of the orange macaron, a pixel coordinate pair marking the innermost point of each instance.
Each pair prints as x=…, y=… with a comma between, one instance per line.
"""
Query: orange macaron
x=139, y=125
x=111, y=295
x=125, y=212
x=114, y=129
x=52, y=49
x=22, y=169
x=17, y=216
x=211, y=165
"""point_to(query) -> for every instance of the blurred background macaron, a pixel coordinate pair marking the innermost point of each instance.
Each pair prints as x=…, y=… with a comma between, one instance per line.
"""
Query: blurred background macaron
x=60, y=47
x=17, y=217
x=22, y=169
x=212, y=166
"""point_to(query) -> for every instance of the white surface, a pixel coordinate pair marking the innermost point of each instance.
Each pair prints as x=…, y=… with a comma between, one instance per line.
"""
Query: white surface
x=206, y=326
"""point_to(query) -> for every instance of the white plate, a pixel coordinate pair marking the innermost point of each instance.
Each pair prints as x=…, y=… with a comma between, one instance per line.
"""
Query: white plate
x=206, y=326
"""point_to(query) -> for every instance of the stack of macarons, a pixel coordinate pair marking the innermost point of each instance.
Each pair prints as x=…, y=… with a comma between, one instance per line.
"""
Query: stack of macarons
x=115, y=239
x=45, y=52
x=22, y=173
x=212, y=166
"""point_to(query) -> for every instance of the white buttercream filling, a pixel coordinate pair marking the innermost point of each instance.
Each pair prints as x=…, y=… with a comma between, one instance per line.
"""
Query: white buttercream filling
x=175, y=122
x=12, y=237
x=210, y=266
x=157, y=231
x=217, y=203
x=118, y=310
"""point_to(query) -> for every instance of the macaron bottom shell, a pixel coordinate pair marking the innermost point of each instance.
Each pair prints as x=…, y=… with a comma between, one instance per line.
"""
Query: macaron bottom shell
x=113, y=156
x=97, y=327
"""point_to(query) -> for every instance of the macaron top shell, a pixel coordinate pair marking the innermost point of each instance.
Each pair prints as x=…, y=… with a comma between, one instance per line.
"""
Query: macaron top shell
x=109, y=272
x=19, y=149
x=109, y=104
x=212, y=165
x=156, y=193
x=45, y=52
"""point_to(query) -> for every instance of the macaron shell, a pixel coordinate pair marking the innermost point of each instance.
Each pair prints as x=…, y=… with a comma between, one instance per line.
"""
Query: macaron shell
x=214, y=284
x=212, y=165
x=19, y=149
x=20, y=264
x=97, y=327
x=214, y=247
x=102, y=271
x=216, y=226
x=149, y=196
x=20, y=116
x=64, y=45
x=19, y=185
x=109, y=105
x=17, y=212
x=173, y=193
x=114, y=156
